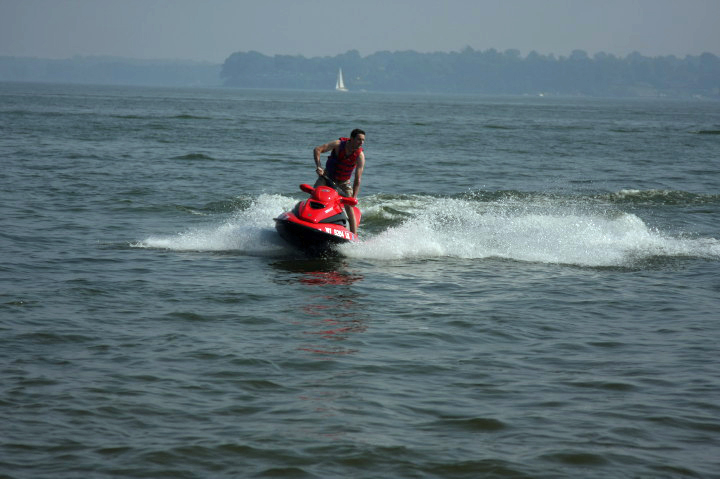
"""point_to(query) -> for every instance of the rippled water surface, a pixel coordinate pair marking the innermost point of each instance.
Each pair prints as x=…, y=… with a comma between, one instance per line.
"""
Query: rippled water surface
x=535, y=295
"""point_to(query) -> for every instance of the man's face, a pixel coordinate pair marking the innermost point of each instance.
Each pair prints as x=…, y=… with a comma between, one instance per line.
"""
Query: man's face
x=357, y=142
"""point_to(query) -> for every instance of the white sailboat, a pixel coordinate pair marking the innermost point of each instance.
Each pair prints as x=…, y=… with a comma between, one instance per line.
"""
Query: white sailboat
x=340, y=84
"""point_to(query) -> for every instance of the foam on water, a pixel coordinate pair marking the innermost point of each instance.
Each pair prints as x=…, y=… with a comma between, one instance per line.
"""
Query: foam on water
x=538, y=230
x=541, y=231
x=249, y=230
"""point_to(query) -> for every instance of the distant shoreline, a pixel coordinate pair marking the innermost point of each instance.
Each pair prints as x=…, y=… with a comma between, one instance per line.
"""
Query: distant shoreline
x=470, y=71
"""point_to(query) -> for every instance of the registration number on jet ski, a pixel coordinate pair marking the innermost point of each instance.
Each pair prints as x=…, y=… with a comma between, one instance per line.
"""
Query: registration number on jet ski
x=340, y=233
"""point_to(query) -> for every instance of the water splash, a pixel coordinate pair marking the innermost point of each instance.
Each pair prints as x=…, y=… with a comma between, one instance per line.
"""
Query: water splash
x=538, y=231
x=249, y=230
x=521, y=228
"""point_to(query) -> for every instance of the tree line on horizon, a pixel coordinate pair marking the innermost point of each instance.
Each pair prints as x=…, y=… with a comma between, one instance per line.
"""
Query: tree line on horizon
x=484, y=72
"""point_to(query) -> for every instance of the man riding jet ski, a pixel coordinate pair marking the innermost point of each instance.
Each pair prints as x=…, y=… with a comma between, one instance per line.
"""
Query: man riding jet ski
x=330, y=216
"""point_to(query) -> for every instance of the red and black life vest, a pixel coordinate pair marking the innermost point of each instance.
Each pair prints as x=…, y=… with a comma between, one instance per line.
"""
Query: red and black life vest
x=340, y=165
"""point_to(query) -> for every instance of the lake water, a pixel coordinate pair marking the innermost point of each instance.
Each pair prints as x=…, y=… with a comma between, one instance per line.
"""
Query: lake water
x=536, y=293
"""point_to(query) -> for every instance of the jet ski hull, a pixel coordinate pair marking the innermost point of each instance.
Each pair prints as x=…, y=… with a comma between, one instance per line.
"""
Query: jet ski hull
x=315, y=238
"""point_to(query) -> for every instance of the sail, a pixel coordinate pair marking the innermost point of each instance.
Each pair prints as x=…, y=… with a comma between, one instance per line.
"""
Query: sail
x=340, y=84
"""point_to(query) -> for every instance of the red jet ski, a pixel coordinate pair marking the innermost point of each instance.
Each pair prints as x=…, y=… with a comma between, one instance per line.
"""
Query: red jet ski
x=318, y=223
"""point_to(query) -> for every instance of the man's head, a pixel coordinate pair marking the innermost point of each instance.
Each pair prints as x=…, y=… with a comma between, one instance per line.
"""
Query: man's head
x=357, y=138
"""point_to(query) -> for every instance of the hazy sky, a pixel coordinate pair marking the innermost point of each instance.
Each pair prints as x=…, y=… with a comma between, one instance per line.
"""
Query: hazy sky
x=210, y=30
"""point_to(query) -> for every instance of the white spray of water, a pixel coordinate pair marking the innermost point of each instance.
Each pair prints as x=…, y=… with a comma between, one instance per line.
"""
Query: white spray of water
x=538, y=230
x=249, y=231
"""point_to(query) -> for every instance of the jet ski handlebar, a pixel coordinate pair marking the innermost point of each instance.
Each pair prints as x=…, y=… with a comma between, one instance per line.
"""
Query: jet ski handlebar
x=346, y=200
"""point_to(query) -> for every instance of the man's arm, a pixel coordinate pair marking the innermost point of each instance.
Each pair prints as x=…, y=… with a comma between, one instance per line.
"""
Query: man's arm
x=319, y=150
x=359, y=167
